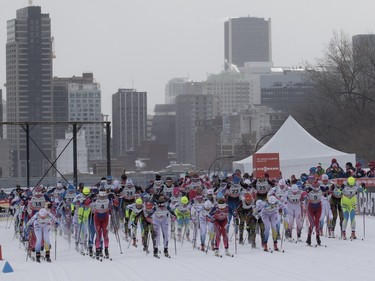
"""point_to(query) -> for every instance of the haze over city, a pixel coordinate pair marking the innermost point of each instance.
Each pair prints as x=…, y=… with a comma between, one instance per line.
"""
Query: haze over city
x=142, y=45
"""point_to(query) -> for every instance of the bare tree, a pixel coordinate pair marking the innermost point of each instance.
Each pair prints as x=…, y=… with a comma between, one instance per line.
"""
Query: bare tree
x=341, y=109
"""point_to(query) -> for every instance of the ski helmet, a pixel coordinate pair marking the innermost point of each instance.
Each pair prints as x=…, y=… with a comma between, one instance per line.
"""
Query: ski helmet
x=139, y=201
x=38, y=192
x=294, y=188
x=86, y=191
x=149, y=205
x=272, y=200
x=248, y=197
x=184, y=200
x=351, y=181
x=43, y=213
x=208, y=205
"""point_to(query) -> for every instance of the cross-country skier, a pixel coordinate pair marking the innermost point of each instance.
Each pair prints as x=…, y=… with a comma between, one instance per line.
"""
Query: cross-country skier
x=349, y=204
x=42, y=222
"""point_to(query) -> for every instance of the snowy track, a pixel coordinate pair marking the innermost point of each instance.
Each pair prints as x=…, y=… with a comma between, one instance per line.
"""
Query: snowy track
x=340, y=260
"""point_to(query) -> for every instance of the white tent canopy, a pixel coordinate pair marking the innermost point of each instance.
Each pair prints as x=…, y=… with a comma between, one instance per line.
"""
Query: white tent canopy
x=298, y=151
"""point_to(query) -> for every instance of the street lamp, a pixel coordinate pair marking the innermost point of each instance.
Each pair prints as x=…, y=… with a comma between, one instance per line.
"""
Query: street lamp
x=222, y=157
x=262, y=138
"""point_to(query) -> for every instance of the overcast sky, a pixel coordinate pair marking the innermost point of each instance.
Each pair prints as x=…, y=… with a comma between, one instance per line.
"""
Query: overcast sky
x=143, y=44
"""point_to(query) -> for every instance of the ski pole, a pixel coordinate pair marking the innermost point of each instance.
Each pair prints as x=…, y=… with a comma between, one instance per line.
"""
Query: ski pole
x=55, y=243
x=183, y=234
x=364, y=221
x=235, y=235
x=116, y=233
x=175, y=243
x=282, y=233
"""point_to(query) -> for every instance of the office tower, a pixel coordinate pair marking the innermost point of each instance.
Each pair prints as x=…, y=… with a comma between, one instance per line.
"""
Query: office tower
x=190, y=110
x=247, y=39
x=174, y=88
x=164, y=125
x=28, y=88
x=85, y=106
x=1, y=113
x=60, y=100
x=129, y=120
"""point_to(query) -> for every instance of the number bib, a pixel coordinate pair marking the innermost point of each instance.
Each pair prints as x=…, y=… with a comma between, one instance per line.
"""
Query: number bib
x=234, y=190
x=294, y=198
x=128, y=193
x=69, y=197
x=349, y=192
x=337, y=193
x=262, y=187
x=168, y=191
x=101, y=205
x=315, y=197
x=37, y=203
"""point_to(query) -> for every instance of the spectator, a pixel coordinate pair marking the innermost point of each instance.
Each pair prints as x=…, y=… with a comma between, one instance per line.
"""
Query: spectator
x=371, y=172
x=3, y=195
x=350, y=170
x=335, y=171
x=319, y=170
x=359, y=172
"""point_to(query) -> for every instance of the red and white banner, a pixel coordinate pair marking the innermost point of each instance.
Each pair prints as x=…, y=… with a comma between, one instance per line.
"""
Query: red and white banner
x=266, y=163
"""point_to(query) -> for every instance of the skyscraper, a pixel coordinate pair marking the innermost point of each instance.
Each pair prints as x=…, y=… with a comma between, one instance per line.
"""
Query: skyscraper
x=129, y=120
x=247, y=39
x=85, y=106
x=28, y=87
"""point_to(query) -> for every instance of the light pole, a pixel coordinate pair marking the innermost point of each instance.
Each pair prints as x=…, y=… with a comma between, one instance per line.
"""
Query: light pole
x=262, y=138
x=222, y=157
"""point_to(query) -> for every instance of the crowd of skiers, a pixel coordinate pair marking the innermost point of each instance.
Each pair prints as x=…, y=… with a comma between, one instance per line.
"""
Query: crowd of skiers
x=194, y=208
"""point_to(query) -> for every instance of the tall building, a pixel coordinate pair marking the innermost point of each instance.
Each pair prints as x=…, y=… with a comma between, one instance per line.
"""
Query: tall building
x=129, y=120
x=233, y=91
x=84, y=99
x=1, y=113
x=247, y=39
x=29, y=87
x=190, y=110
x=61, y=99
x=174, y=88
x=164, y=125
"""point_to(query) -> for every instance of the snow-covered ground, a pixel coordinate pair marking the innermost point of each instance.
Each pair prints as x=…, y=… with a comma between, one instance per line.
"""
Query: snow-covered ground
x=340, y=260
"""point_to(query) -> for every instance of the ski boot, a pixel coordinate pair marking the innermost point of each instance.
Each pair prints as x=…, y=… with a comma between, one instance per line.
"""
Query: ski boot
x=134, y=242
x=188, y=237
x=252, y=243
x=106, y=253
x=48, y=258
x=97, y=254
x=166, y=254
x=202, y=248
x=299, y=238
x=308, y=241
x=330, y=233
x=227, y=253
x=352, y=236
x=265, y=247
x=275, y=248
x=240, y=241
x=156, y=252
x=343, y=235
x=77, y=247
x=288, y=235
x=318, y=239
x=90, y=251
x=217, y=253
x=37, y=257
x=179, y=237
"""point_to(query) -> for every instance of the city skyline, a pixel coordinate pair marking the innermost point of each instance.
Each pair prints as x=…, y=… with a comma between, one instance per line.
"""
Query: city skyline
x=128, y=46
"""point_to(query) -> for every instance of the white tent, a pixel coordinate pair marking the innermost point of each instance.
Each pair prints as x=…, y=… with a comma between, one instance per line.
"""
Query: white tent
x=298, y=151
